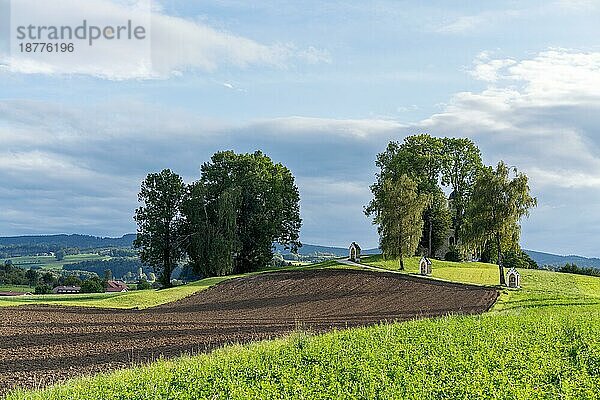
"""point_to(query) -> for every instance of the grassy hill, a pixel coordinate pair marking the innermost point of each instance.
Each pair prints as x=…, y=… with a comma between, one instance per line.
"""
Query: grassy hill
x=539, y=287
x=542, y=341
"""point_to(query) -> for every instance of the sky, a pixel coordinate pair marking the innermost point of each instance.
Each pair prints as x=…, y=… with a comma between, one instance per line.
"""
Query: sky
x=319, y=86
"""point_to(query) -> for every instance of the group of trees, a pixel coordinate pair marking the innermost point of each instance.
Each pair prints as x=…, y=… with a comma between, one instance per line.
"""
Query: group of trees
x=226, y=222
x=410, y=208
x=575, y=269
x=119, y=266
x=11, y=274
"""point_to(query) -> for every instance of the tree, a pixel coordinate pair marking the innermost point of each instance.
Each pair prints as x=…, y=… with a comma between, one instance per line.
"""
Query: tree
x=499, y=201
x=419, y=157
x=108, y=275
x=242, y=204
x=93, y=285
x=518, y=259
x=159, y=235
x=32, y=277
x=213, y=230
x=43, y=289
x=59, y=255
x=49, y=279
x=143, y=284
x=397, y=209
x=72, y=280
x=461, y=164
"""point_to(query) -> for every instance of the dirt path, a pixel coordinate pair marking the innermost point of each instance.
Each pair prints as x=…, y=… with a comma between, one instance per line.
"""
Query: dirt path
x=41, y=345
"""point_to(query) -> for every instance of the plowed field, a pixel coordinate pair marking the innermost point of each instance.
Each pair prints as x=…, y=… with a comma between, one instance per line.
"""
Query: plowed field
x=41, y=345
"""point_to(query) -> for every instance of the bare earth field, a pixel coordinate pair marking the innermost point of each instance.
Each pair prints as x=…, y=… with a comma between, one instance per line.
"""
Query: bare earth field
x=41, y=345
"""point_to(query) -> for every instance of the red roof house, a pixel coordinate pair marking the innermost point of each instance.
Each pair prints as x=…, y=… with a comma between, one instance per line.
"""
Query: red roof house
x=116, y=286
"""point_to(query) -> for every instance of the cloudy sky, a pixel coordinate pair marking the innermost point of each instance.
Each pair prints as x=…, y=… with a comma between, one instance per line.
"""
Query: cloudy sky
x=319, y=86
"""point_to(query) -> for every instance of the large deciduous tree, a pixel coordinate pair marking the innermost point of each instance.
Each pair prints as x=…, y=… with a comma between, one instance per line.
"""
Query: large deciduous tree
x=241, y=205
x=397, y=209
x=461, y=164
x=159, y=235
x=499, y=200
x=420, y=158
x=211, y=227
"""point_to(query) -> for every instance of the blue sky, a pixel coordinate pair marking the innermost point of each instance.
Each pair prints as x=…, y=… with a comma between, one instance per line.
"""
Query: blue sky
x=321, y=87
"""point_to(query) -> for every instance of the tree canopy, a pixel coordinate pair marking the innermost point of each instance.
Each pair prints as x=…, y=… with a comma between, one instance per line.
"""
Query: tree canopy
x=159, y=235
x=242, y=204
x=484, y=209
x=226, y=222
x=499, y=201
x=397, y=209
x=420, y=158
x=460, y=166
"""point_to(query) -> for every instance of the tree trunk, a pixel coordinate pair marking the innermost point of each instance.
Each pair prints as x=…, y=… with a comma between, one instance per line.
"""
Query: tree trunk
x=401, y=261
x=430, y=237
x=167, y=257
x=500, y=266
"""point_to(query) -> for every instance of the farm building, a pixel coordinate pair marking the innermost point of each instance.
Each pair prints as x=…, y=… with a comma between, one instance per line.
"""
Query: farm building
x=116, y=287
x=66, y=290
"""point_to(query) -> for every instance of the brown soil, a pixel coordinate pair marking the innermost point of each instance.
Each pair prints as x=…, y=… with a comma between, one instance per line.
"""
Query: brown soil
x=41, y=345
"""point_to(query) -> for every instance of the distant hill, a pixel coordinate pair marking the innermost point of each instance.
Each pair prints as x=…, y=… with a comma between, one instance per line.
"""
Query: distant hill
x=558, y=261
x=53, y=242
x=539, y=257
x=16, y=246
x=81, y=241
x=313, y=249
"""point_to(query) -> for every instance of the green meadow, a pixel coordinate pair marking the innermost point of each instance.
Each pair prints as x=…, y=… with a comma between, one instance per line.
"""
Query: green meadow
x=539, y=287
x=16, y=288
x=539, y=342
x=50, y=262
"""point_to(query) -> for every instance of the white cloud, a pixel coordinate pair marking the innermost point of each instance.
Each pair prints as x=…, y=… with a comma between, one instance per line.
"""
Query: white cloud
x=577, y=5
x=486, y=69
x=344, y=128
x=541, y=114
x=313, y=55
x=175, y=45
x=463, y=24
x=469, y=23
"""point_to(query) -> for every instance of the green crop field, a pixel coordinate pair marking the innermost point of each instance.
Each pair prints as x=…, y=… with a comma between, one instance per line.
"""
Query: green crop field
x=50, y=262
x=539, y=342
x=16, y=288
x=134, y=299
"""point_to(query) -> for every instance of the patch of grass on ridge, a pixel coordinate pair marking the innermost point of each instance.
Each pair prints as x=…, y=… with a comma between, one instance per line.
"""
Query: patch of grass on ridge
x=538, y=287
